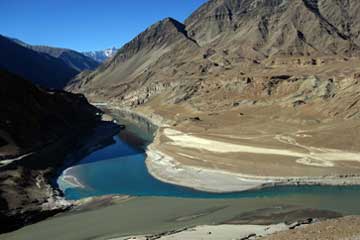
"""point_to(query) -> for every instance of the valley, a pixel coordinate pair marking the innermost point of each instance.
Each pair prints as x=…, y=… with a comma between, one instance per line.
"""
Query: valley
x=239, y=120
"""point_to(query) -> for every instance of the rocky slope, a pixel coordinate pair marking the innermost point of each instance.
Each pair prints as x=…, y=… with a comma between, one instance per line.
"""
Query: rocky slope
x=42, y=69
x=37, y=130
x=102, y=55
x=132, y=63
x=278, y=27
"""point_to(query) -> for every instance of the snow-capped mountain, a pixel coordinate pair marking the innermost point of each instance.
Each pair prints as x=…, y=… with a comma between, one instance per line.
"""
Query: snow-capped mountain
x=101, y=55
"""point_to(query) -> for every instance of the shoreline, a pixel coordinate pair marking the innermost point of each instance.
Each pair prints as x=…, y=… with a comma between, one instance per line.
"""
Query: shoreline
x=50, y=199
x=165, y=168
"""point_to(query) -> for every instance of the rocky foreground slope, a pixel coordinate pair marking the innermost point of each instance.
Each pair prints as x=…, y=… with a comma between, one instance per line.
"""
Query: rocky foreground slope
x=32, y=117
x=37, y=130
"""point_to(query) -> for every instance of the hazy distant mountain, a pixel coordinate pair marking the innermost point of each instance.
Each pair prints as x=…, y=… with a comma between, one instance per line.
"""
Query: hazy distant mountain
x=42, y=69
x=69, y=62
x=74, y=59
x=102, y=55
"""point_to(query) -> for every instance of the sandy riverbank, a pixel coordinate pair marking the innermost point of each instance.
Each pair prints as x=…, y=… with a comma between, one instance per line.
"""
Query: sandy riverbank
x=165, y=168
x=233, y=162
x=227, y=161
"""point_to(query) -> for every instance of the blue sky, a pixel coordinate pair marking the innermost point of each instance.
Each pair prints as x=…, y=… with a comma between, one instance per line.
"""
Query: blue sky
x=86, y=24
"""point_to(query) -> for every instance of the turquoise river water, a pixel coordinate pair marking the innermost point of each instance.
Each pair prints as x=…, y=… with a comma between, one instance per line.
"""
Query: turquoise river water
x=119, y=168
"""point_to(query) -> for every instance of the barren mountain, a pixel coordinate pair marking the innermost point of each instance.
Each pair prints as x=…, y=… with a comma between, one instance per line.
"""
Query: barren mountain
x=271, y=74
x=244, y=45
x=134, y=60
x=278, y=27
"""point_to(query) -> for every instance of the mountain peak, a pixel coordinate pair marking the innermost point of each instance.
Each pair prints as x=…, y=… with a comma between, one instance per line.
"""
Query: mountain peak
x=101, y=55
x=169, y=19
x=167, y=25
x=161, y=34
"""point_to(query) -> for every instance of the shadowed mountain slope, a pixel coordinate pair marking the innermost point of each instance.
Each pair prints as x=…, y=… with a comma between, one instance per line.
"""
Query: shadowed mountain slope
x=46, y=66
x=31, y=117
x=73, y=59
x=41, y=69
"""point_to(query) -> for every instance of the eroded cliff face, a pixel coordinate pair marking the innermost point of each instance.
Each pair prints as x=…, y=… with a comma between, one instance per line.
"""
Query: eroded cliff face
x=231, y=52
x=279, y=26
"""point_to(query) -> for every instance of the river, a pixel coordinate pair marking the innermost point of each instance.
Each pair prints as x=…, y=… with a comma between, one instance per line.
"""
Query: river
x=119, y=168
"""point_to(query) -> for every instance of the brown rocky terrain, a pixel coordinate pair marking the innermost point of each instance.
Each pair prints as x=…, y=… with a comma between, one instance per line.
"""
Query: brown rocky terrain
x=340, y=229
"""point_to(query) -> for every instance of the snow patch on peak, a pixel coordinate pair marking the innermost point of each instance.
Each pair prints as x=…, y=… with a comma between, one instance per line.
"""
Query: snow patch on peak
x=101, y=55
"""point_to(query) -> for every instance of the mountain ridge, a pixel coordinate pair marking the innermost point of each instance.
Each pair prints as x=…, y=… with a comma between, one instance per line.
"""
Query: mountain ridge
x=41, y=69
x=135, y=57
x=74, y=59
x=41, y=73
